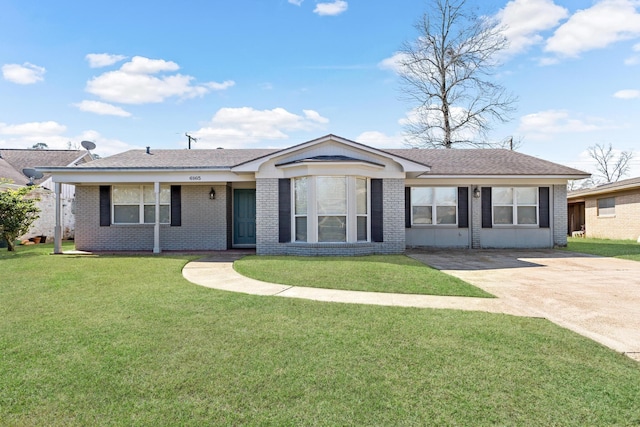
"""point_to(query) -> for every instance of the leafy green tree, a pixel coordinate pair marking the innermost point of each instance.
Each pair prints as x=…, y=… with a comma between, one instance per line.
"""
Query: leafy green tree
x=17, y=213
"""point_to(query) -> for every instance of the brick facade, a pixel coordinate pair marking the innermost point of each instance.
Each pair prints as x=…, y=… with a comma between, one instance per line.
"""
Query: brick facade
x=559, y=215
x=267, y=225
x=204, y=224
x=625, y=224
x=207, y=224
x=476, y=221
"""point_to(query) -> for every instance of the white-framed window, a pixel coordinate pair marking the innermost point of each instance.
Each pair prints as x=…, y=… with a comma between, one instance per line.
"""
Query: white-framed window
x=300, y=189
x=607, y=206
x=434, y=205
x=331, y=209
x=515, y=205
x=136, y=204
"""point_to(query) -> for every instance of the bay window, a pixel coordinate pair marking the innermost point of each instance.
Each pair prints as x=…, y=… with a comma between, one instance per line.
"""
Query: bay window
x=330, y=209
x=136, y=204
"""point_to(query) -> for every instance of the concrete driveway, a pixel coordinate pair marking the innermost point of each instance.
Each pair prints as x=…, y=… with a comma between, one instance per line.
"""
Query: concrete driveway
x=593, y=296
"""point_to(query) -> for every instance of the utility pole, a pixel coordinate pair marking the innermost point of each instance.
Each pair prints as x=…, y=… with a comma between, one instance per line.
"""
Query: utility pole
x=191, y=138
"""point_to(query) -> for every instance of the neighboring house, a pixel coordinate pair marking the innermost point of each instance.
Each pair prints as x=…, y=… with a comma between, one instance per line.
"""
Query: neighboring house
x=12, y=163
x=608, y=211
x=328, y=196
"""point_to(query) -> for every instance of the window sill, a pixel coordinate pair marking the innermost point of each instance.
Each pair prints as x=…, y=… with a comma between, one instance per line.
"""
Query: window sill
x=438, y=226
x=134, y=224
x=330, y=244
x=606, y=216
x=533, y=226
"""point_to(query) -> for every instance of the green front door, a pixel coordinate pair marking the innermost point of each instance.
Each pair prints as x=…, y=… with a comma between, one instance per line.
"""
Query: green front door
x=244, y=217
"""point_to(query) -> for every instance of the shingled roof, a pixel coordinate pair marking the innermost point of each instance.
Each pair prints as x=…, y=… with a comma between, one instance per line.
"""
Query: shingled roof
x=625, y=184
x=19, y=159
x=454, y=162
x=158, y=159
x=484, y=162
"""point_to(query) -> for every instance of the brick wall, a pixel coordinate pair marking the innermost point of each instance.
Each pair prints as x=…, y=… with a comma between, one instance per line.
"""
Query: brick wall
x=267, y=225
x=204, y=224
x=559, y=215
x=267, y=218
x=476, y=221
x=625, y=224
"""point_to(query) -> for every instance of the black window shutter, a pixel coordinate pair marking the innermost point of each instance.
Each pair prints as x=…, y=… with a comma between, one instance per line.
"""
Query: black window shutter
x=176, y=206
x=407, y=207
x=284, y=210
x=105, y=206
x=463, y=207
x=543, y=197
x=377, y=230
x=486, y=207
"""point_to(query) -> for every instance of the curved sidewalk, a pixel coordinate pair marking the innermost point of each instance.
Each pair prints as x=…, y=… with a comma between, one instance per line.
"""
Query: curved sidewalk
x=597, y=297
x=217, y=272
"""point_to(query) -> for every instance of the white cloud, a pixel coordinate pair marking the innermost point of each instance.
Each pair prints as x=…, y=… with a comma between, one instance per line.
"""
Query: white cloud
x=24, y=74
x=420, y=116
x=544, y=124
x=627, y=94
x=220, y=86
x=25, y=135
x=525, y=19
x=105, y=146
x=547, y=60
x=394, y=62
x=296, y=2
x=33, y=128
x=234, y=127
x=381, y=140
x=331, y=9
x=633, y=59
x=604, y=23
x=102, y=108
x=142, y=65
x=314, y=116
x=98, y=60
x=135, y=83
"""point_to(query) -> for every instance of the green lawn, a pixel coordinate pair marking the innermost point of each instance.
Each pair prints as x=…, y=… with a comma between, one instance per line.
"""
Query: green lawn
x=376, y=273
x=123, y=340
x=627, y=249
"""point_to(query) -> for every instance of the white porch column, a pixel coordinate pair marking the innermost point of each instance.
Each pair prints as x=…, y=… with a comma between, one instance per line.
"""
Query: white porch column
x=156, y=227
x=57, y=233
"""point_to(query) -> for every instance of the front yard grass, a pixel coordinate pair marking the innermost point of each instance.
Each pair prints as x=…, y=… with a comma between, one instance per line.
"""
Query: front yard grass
x=125, y=340
x=374, y=273
x=626, y=249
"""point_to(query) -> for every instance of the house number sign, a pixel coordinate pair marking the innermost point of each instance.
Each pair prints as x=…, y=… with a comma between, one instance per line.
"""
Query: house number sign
x=195, y=178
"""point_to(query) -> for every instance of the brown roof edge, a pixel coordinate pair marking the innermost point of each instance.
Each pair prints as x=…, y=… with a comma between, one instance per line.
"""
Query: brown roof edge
x=612, y=187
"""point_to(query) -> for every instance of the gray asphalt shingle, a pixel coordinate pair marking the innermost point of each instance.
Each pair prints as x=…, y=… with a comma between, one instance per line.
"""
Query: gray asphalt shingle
x=442, y=162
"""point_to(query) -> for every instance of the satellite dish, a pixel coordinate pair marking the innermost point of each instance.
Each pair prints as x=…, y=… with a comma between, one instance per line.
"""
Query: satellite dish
x=32, y=174
x=88, y=145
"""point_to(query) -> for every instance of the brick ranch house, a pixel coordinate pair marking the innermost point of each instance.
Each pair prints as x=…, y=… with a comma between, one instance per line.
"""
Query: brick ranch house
x=328, y=196
x=608, y=211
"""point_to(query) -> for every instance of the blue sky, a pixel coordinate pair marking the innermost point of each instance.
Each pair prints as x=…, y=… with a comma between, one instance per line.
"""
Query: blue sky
x=273, y=73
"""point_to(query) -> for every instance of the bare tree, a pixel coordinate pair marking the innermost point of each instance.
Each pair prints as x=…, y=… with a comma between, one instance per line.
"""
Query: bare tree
x=446, y=74
x=609, y=165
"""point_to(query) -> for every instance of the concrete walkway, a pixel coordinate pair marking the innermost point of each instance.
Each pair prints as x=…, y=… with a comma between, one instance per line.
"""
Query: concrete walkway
x=593, y=296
